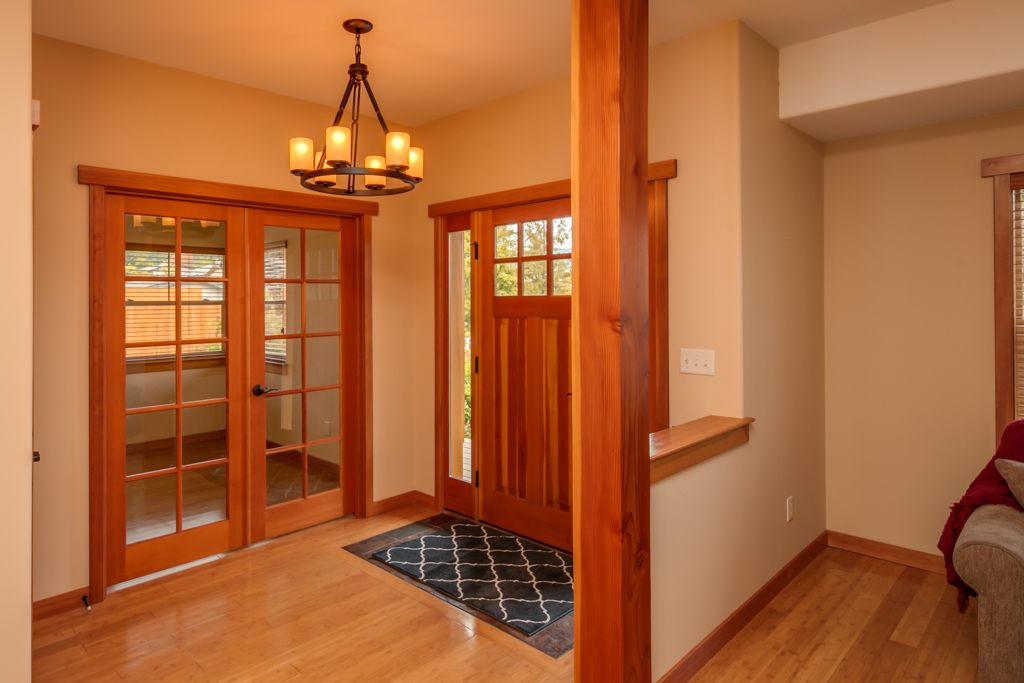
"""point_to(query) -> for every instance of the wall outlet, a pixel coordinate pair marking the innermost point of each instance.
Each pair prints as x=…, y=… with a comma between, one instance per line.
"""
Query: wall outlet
x=789, y=509
x=696, y=362
x=327, y=427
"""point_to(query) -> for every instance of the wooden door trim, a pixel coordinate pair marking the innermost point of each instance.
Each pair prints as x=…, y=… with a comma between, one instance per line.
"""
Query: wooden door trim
x=104, y=183
x=170, y=187
x=659, y=170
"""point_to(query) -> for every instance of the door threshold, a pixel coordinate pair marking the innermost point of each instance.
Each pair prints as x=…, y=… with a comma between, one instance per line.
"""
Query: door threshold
x=182, y=567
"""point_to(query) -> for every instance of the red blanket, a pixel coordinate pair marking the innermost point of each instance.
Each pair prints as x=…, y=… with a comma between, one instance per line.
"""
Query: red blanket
x=988, y=488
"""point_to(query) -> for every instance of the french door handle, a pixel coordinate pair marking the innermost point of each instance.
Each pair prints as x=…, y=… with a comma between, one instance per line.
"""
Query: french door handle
x=260, y=390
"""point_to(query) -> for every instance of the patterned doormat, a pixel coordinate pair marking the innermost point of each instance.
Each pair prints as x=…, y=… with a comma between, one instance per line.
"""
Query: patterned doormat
x=520, y=583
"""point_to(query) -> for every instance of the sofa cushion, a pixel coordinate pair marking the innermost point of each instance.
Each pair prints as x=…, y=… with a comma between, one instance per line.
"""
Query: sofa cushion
x=1013, y=472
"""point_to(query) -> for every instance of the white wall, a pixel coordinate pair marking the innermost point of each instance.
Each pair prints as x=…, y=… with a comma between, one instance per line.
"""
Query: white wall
x=16, y=343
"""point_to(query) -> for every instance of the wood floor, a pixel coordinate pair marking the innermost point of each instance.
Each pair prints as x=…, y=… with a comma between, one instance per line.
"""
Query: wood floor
x=301, y=609
x=296, y=609
x=849, y=618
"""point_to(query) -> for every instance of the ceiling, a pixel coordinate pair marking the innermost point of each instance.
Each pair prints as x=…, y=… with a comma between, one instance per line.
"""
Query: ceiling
x=427, y=58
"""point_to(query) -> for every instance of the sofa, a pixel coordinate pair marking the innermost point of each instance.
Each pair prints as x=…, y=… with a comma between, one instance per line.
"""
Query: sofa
x=989, y=557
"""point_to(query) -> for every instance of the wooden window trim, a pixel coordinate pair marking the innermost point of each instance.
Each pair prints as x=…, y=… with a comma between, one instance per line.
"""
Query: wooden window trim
x=106, y=182
x=1007, y=174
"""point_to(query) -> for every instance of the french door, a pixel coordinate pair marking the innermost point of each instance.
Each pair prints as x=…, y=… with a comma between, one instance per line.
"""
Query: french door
x=232, y=369
x=175, y=398
x=526, y=407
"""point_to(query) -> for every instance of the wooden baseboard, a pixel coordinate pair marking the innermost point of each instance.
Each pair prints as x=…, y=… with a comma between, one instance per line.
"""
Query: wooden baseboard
x=885, y=551
x=58, y=604
x=688, y=666
x=403, y=500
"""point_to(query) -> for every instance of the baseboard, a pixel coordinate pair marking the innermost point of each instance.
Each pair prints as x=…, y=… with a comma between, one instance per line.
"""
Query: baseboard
x=403, y=500
x=688, y=666
x=885, y=551
x=58, y=604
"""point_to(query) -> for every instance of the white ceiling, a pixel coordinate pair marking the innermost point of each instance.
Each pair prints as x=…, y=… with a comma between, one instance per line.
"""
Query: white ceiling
x=427, y=58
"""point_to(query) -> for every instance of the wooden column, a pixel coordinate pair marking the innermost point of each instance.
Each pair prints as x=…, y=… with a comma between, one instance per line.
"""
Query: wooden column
x=611, y=478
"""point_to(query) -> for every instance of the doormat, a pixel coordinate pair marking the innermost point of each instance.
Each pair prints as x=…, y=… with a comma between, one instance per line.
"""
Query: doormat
x=519, y=586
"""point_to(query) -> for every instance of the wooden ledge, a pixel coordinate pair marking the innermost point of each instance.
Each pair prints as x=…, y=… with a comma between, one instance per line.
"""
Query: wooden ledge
x=685, y=445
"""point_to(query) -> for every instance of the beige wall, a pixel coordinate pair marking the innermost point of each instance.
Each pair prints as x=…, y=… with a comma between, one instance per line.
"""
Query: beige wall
x=719, y=530
x=910, y=409
x=106, y=110
x=16, y=345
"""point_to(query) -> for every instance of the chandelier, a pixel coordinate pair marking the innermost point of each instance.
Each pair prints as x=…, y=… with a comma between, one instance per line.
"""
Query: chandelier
x=332, y=170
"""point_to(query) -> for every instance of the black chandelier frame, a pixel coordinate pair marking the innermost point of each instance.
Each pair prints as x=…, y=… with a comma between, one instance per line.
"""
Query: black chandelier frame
x=357, y=81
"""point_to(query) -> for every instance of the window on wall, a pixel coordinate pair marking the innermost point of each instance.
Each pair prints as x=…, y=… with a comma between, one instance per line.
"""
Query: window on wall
x=275, y=300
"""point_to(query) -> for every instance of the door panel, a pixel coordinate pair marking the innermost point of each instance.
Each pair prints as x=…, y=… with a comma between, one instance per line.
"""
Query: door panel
x=299, y=319
x=175, y=344
x=526, y=417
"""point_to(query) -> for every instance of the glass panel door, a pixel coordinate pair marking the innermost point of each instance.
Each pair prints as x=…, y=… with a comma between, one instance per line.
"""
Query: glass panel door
x=299, y=399
x=177, y=428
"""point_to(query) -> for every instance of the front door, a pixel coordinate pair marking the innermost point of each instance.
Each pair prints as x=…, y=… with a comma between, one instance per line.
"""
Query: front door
x=526, y=415
x=175, y=403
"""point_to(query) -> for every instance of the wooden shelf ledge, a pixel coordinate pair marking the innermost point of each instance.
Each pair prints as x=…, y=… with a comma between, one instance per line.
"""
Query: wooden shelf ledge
x=685, y=445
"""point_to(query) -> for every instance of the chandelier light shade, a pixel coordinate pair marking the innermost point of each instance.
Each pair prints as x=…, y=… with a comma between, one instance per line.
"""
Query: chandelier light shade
x=332, y=170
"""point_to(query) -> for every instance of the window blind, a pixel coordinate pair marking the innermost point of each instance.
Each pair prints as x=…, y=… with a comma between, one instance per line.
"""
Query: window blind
x=274, y=305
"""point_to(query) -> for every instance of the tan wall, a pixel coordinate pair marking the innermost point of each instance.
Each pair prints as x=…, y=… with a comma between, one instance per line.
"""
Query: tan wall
x=910, y=411
x=16, y=345
x=106, y=110
x=719, y=530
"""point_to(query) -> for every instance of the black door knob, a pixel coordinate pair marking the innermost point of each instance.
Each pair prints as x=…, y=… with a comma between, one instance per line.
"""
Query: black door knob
x=259, y=390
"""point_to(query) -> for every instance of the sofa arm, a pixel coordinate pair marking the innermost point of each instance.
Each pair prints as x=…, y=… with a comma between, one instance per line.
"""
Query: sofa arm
x=989, y=557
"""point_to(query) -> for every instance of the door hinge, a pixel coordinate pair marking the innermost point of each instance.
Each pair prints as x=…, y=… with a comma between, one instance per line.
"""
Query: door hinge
x=35, y=456
x=476, y=251
x=478, y=478
x=476, y=364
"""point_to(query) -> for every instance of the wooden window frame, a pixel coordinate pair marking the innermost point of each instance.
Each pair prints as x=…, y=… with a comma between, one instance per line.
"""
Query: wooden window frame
x=1007, y=174
x=103, y=182
x=458, y=216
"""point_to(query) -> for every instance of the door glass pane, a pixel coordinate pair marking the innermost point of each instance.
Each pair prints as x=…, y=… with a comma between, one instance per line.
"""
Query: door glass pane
x=148, y=246
x=561, y=236
x=204, y=496
x=150, y=441
x=535, y=238
x=322, y=361
x=149, y=376
x=323, y=414
x=460, y=348
x=150, y=507
x=282, y=308
x=322, y=255
x=284, y=477
x=283, y=363
x=282, y=253
x=284, y=420
x=202, y=310
x=204, y=433
x=506, y=241
x=506, y=279
x=203, y=246
x=535, y=278
x=322, y=308
x=561, y=277
x=204, y=372
x=149, y=311
x=324, y=463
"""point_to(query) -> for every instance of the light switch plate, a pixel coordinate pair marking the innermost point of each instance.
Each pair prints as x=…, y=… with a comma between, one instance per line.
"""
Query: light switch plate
x=697, y=361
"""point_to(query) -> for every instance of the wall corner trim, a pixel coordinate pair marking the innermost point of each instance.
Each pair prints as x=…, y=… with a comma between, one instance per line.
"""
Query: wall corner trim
x=59, y=604
x=404, y=500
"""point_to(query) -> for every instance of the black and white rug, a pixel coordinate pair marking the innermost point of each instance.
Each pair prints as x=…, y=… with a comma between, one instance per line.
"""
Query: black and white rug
x=515, y=581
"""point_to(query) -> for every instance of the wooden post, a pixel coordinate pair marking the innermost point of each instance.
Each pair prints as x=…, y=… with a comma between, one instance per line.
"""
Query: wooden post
x=611, y=478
